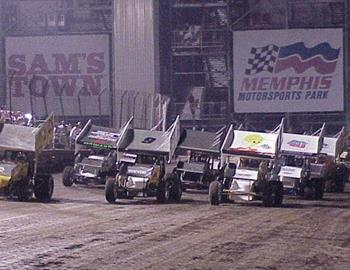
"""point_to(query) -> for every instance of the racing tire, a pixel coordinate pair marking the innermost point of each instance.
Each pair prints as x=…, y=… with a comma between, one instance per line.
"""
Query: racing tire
x=329, y=185
x=110, y=190
x=339, y=187
x=319, y=189
x=43, y=188
x=309, y=192
x=339, y=184
x=341, y=178
x=267, y=198
x=215, y=193
x=279, y=194
x=163, y=191
x=273, y=194
x=67, y=176
x=175, y=189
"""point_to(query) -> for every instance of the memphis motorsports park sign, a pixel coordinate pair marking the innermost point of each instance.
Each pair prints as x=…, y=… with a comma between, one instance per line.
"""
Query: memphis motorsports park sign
x=288, y=70
x=60, y=74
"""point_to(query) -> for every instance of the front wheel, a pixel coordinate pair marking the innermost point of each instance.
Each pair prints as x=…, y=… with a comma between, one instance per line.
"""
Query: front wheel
x=163, y=191
x=67, y=176
x=278, y=194
x=111, y=190
x=273, y=194
x=43, y=188
x=214, y=192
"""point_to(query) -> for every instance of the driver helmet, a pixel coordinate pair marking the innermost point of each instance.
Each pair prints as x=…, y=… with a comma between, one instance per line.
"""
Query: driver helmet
x=21, y=156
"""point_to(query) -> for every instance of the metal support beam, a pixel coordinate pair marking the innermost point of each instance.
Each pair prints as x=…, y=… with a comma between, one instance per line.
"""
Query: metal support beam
x=346, y=63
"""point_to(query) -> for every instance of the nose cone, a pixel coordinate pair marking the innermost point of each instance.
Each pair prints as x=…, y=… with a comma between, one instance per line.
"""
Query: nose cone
x=4, y=181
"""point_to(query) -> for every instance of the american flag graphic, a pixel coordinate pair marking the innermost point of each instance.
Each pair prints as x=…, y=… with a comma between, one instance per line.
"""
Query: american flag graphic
x=274, y=59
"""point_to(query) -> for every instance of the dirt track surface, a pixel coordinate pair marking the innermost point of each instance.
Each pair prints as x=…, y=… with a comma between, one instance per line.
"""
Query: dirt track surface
x=79, y=230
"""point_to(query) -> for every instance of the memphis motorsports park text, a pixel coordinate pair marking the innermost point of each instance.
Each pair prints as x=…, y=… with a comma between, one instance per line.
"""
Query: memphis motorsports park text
x=285, y=88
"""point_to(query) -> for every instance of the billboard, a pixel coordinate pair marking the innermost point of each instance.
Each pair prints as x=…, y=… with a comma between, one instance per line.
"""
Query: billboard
x=299, y=70
x=66, y=74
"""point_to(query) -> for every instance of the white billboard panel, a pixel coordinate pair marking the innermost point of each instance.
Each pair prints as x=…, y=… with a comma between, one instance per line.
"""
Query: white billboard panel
x=299, y=70
x=62, y=74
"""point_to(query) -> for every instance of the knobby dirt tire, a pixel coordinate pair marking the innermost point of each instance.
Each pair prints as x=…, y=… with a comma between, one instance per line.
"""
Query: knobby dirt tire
x=214, y=192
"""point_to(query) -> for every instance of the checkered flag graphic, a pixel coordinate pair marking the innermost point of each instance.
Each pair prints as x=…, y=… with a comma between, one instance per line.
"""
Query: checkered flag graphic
x=263, y=58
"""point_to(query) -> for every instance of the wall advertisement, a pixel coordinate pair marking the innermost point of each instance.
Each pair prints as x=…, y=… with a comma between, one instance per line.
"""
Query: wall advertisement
x=297, y=70
x=66, y=74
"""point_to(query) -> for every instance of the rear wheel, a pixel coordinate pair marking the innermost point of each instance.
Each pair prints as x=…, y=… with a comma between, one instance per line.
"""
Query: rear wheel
x=340, y=187
x=111, y=190
x=319, y=189
x=214, y=192
x=43, y=188
x=338, y=184
x=67, y=176
x=175, y=189
x=340, y=178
